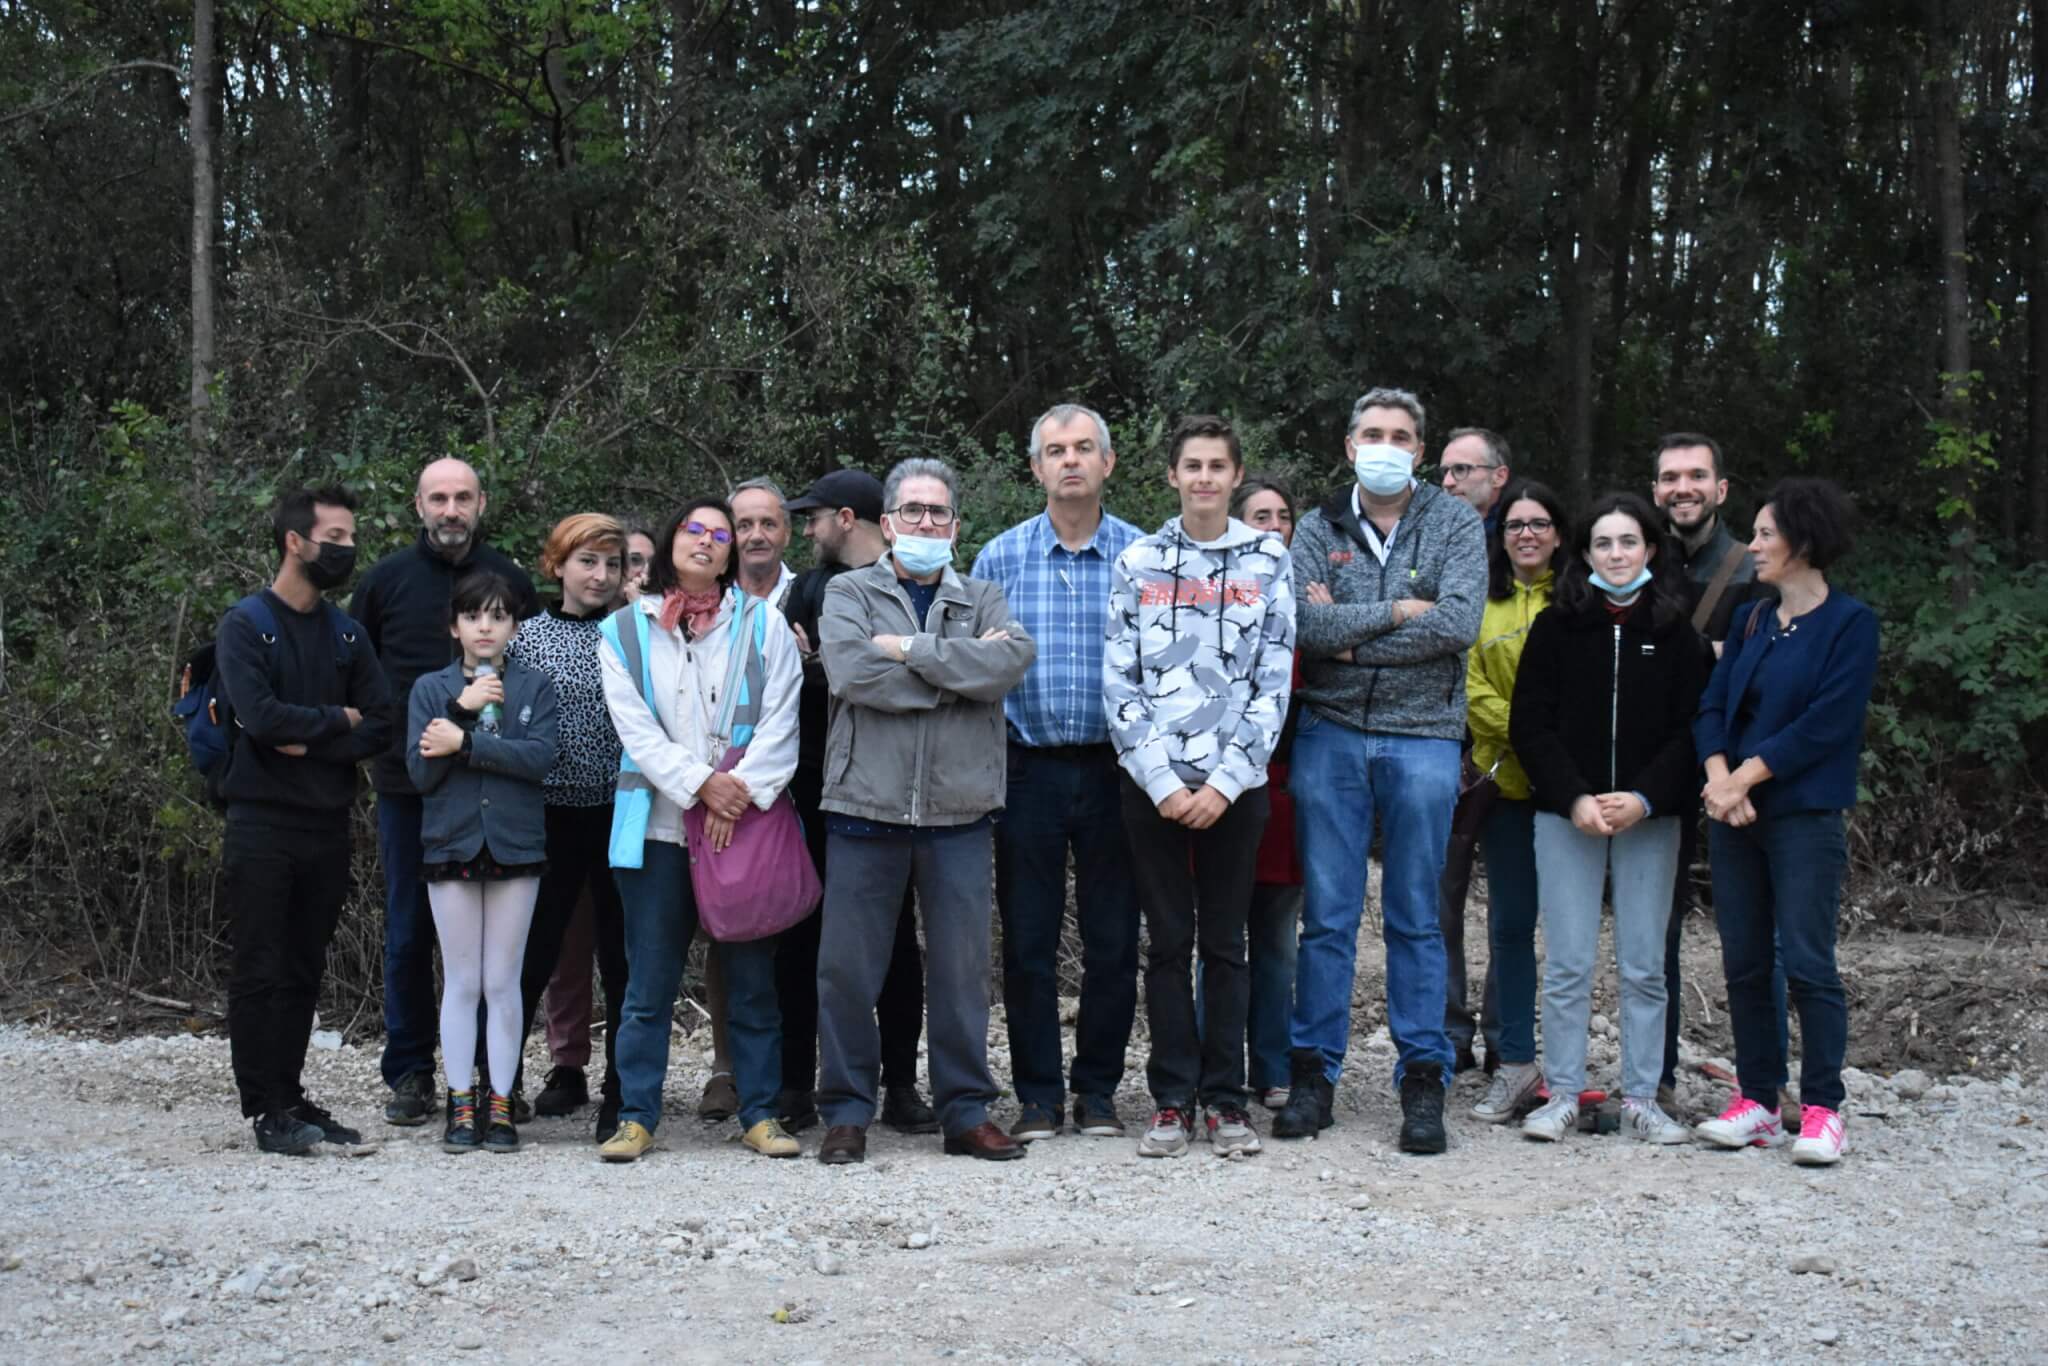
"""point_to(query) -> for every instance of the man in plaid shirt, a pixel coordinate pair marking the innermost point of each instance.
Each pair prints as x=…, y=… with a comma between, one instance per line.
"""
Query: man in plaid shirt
x=1055, y=571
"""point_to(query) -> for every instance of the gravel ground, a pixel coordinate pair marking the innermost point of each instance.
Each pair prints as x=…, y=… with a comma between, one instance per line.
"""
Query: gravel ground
x=138, y=1219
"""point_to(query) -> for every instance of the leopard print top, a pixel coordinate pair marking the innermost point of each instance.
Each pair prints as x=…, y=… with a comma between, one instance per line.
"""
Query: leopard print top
x=563, y=647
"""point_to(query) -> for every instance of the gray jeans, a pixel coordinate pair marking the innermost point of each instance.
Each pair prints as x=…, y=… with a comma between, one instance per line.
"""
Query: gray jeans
x=1571, y=869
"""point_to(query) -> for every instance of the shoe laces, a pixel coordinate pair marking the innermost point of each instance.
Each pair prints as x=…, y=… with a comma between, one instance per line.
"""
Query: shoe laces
x=1738, y=1111
x=1648, y=1113
x=312, y=1114
x=465, y=1109
x=501, y=1109
x=1231, y=1115
x=1815, y=1120
x=1170, y=1116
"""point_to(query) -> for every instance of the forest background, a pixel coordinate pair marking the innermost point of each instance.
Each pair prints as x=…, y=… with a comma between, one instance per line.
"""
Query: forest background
x=617, y=252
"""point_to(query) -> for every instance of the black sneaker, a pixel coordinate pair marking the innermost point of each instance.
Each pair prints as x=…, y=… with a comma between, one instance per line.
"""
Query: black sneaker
x=502, y=1135
x=461, y=1135
x=904, y=1110
x=1095, y=1116
x=798, y=1111
x=607, y=1117
x=1311, y=1097
x=522, y=1109
x=412, y=1100
x=281, y=1131
x=565, y=1094
x=331, y=1129
x=1422, y=1109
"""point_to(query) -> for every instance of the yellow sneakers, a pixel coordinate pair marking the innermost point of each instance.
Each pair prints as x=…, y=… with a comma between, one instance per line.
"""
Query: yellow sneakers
x=769, y=1139
x=627, y=1144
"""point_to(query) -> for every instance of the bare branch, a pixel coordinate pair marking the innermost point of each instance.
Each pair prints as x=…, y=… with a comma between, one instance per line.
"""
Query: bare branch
x=443, y=349
x=30, y=111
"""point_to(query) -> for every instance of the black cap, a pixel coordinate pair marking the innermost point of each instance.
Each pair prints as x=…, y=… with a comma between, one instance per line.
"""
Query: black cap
x=856, y=489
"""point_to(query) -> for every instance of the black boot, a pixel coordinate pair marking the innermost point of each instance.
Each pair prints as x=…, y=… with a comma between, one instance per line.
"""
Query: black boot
x=565, y=1093
x=501, y=1133
x=1422, y=1109
x=461, y=1135
x=608, y=1112
x=1310, y=1096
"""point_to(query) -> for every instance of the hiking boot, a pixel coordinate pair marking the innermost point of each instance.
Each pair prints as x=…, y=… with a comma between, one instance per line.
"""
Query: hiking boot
x=1230, y=1131
x=1309, y=1097
x=721, y=1099
x=1553, y=1119
x=461, y=1134
x=331, y=1129
x=1511, y=1092
x=412, y=1100
x=502, y=1136
x=1422, y=1109
x=628, y=1143
x=1033, y=1123
x=281, y=1131
x=1095, y=1116
x=904, y=1110
x=1167, y=1134
x=566, y=1092
x=798, y=1110
x=607, y=1118
x=1744, y=1124
x=770, y=1140
x=1646, y=1120
x=1822, y=1139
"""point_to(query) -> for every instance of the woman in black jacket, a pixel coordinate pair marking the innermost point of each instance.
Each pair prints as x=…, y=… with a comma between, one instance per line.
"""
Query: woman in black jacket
x=1602, y=722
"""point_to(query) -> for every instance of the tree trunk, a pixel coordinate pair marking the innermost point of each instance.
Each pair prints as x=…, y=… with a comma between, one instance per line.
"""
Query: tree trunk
x=1955, y=298
x=204, y=213
x=2037, y=307
x=1576, y=265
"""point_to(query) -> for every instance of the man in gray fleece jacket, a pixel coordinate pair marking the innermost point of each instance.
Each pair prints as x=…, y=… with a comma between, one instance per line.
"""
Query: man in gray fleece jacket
x=1391, y=579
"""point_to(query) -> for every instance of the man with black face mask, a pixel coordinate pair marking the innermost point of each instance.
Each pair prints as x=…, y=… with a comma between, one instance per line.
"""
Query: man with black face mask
x=402, y=603
x=309, y=703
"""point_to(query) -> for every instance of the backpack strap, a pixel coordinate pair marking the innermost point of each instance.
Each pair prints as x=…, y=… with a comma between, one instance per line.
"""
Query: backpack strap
x=745, y=675
x=1716, y=587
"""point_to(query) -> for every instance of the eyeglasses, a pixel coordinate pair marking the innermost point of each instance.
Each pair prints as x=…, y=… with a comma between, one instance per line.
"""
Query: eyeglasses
x=1461, y=472
x=1535, y=526
x=717, y=533
x=938, y=514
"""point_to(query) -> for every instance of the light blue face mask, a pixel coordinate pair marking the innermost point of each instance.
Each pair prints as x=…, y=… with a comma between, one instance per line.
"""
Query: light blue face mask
x=1383, y=470
x=1629, y=589
x=923, y=555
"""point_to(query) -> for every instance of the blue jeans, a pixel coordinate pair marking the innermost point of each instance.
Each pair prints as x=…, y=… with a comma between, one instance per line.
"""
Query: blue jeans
x=1508, y=840
x=1271, y=936
x=1782, y=878
x=1343, y=780
x=1674, y=995
x=412, y=1012
x=661, y=918
x=1060, y=799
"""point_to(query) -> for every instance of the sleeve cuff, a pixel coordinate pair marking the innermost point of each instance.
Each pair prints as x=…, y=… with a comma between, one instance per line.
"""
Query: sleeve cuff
x=1648, y=810
x=1164, y=785
x=1227, y=784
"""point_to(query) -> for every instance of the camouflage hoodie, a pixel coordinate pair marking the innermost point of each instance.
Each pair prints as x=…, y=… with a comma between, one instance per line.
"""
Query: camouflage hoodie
x=1199, y=658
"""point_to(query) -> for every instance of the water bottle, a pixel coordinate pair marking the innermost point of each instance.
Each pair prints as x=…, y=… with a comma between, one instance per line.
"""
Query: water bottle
x=492, y=714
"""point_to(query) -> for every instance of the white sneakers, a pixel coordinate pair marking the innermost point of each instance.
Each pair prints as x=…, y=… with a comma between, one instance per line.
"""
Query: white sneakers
x=1646, y=1120
x=1515, y=1087
x=1821, y=1138
x=1557, y=1117
x=1744, y=1124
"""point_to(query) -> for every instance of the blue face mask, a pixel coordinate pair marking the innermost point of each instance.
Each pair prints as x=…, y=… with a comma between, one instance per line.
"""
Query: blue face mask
x=1383, y=470
x=1629, y=589
x=920, y=556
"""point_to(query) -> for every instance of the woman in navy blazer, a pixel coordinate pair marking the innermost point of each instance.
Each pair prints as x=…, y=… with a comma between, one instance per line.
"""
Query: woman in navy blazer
x=1781, y=729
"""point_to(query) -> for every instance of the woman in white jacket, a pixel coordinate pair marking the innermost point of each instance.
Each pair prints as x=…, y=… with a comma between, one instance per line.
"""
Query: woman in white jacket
x=685, y=620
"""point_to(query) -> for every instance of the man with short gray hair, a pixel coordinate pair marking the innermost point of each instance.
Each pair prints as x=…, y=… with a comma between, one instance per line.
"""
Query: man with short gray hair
x=918, y=660
x=1475, y=468
x=760, y=533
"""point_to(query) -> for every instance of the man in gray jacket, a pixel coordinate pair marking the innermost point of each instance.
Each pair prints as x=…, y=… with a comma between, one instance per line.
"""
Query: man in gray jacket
x=1391, y=579
x=918, y=660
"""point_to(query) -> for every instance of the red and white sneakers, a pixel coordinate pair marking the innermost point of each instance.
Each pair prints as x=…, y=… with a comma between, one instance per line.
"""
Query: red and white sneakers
x=1744, y=1124
x=1821, y=1139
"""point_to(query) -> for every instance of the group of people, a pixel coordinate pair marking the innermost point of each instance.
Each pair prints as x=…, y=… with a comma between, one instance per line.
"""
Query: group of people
x=1206, y=724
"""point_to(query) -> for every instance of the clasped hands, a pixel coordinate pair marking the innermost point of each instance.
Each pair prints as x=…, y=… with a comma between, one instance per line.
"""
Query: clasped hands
x=725, y=797
x=1197, y=810
x=1607, y=813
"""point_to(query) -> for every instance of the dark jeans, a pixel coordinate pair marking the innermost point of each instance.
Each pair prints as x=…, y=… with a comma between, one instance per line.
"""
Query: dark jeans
x=661, y=919
x=1060, y=799
x=899, y=1012
x=951, y=873
x=1781, y=880
x=412, y=1014
x=285, y=888
x=1681, y=904
x=578, y=838
x=1272, y=934
x=1509, y=837
x=1195, y=887
x=1459, y=1022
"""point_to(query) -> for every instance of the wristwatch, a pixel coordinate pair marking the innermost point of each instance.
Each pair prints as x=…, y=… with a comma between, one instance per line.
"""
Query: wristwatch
x=903, y=647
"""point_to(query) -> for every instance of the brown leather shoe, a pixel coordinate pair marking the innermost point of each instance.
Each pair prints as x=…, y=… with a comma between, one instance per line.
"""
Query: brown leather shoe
x=844, y=1144
x=986, y=1142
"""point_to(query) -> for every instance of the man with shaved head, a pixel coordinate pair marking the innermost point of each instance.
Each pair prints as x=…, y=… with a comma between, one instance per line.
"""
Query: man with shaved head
x=402, y=604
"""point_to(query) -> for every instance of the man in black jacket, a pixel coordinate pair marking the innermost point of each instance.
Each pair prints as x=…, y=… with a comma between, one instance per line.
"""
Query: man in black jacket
x=403, y=605
x=309, y=703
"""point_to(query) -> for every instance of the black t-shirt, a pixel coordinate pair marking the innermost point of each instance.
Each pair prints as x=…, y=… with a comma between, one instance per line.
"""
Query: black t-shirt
x=803, y=606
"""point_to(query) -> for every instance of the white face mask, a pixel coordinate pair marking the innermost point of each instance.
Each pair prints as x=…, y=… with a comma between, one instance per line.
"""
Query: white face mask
x=1383, y=470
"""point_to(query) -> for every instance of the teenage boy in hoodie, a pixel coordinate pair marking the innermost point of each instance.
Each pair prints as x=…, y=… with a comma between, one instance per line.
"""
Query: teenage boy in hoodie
x=1195, y=674
x=1394, y=581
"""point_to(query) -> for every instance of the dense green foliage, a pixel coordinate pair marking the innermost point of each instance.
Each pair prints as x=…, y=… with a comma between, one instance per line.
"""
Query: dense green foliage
x=617, y=251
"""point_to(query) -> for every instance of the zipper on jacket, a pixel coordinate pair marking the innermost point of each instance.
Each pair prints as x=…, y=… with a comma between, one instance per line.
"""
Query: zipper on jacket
x=1614, y=715
x=917, y=765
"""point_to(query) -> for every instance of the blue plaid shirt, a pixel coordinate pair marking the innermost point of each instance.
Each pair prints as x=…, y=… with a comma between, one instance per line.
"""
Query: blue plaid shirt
x=1062, y=597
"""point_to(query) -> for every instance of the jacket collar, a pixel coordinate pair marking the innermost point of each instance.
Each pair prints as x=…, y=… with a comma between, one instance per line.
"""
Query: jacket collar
x=882, y=574
x=1044, y=538
x=1339, y=511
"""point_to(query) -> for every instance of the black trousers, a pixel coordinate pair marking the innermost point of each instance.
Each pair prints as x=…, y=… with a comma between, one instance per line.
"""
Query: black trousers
x=579, y=839
x=285, y=888
x=1195, y=889
x=899, y=1013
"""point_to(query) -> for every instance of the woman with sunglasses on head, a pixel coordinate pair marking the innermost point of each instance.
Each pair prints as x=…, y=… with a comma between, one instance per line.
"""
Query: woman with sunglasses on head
x=1781, y=727
x=1525, y=555
x=1602, y=723
x=682, y=630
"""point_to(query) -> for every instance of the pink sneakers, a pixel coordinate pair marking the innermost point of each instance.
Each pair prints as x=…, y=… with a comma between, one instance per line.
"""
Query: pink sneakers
x=1744, y=1124
x=1821, y=1139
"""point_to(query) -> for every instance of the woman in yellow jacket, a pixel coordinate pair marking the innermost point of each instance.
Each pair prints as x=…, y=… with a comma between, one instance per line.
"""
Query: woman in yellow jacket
x=1525, y=556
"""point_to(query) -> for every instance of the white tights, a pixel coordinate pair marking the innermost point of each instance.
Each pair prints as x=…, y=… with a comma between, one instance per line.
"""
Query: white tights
x=482, y=928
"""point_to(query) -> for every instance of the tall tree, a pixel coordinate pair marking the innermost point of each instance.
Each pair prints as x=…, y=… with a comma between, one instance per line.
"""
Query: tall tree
x=205, y=213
